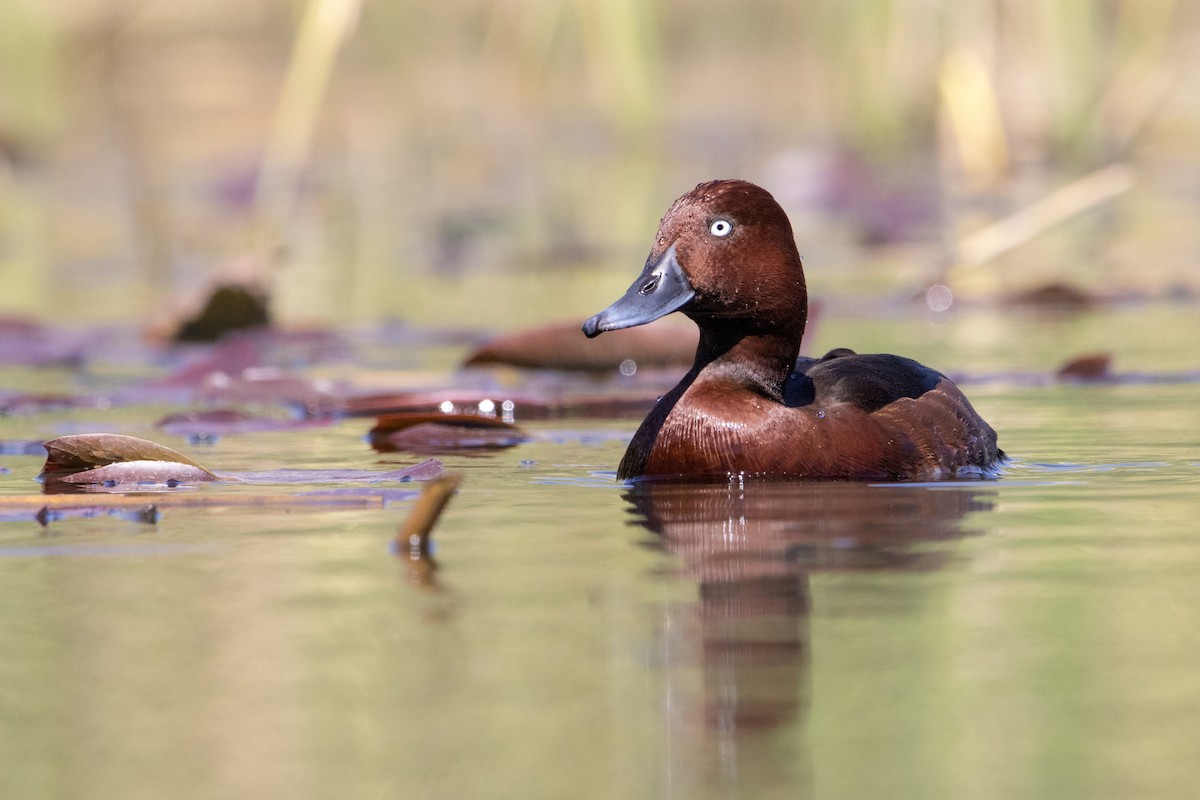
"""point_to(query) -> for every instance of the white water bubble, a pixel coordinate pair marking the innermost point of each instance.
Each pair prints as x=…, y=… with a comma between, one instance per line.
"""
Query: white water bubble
x=939, y=297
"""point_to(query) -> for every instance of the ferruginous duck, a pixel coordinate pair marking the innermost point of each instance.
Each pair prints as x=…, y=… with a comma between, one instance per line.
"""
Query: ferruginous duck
x=725, y=256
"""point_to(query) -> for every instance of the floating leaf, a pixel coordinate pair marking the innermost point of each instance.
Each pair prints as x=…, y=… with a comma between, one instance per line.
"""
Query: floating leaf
x=664, y=343
x=519, y=405
x=27, y=343
x=222, y=422
x=435, y=401
x=92, y=458
x=12, y=403
x=426, y=470
x=231, y=357
x=269, y=385
x=1054, y=296
x=1089, y=367
x=424, y=432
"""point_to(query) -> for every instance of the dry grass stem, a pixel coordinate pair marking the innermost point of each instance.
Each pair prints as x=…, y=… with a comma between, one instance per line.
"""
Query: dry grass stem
x=413, y=536
x=1038, y=217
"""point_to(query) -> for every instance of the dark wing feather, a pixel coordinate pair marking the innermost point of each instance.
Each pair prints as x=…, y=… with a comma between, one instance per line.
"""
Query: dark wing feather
x=868, y=382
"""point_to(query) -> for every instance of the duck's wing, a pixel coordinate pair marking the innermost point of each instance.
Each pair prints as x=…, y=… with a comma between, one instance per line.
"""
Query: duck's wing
x=868, y=382
x=911, y=401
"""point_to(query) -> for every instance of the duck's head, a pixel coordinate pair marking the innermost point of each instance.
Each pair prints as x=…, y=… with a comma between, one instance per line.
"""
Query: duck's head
x=724, y=256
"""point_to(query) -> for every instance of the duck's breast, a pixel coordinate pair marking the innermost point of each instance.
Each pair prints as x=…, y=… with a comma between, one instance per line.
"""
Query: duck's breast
x=714, y=431
x=897, y=420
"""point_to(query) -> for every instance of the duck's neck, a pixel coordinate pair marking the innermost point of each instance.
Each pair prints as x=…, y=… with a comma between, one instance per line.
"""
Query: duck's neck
x=758, y=360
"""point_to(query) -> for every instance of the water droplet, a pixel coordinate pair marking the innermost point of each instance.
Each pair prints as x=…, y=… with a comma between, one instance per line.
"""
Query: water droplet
x=486, y=406
x=628, y=367
x=939, y=297
x=446, y=407
x=821, y=414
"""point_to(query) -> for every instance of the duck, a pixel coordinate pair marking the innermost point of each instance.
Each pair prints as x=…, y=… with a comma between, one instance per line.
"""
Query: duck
x=726, y=257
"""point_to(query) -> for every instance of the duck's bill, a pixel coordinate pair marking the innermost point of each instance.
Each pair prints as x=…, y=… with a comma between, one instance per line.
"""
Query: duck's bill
x=660, y=289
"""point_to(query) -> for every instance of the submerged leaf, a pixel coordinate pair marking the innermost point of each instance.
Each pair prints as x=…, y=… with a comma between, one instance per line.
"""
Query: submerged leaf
x=70, y=455
x=129, y=474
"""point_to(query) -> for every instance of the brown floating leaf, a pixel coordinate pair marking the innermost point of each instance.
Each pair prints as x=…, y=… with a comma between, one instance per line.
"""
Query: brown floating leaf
x=437, y=431
x=112, y=458
x=228, y=421
x=231, y=357
x=269, y=386
x=525, y=406
x=1089, y=367
x=1054, y=296
x=668, y=342
x=68, y=454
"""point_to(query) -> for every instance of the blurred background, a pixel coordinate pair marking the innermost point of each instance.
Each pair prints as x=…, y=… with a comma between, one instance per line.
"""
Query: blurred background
x=502, y=162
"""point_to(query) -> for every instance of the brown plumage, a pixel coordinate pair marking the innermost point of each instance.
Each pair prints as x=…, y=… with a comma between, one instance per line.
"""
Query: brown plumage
x=725, y=256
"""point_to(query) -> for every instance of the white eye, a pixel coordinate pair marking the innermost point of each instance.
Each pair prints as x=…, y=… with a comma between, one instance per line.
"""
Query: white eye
x=721, y=227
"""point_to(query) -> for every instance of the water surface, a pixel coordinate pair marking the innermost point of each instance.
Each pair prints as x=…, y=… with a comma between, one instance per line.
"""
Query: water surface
x=1034, y=636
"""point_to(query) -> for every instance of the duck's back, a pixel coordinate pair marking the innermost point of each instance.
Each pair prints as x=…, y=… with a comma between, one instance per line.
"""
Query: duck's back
x=844, y=416
x=944, y=434
x=868, y=382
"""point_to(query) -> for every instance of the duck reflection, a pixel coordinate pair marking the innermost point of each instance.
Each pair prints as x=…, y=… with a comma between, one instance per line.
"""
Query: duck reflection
x=737, y=659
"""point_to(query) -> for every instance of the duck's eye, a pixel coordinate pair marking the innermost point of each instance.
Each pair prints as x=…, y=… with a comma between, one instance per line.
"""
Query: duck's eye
x=721, y=227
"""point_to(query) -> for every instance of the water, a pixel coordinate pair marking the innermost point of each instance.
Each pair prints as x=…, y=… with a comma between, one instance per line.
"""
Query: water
x=1032, y=637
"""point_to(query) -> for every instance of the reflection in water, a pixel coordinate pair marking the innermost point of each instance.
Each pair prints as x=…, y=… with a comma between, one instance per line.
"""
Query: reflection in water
x=750, y=546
